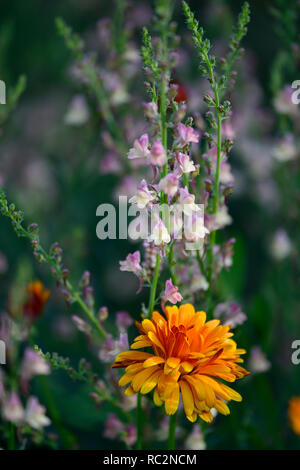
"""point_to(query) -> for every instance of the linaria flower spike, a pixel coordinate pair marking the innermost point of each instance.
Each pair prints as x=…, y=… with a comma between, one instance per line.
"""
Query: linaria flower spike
x=189, y=356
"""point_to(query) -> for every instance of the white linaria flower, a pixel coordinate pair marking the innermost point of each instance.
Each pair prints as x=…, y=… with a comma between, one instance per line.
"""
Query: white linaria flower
x=140, y=148
x=35, y=414
x=143, y=196
x=12, y=408
x=194, y=228
x=160, y=235
x=187, y=202
x=184, y=163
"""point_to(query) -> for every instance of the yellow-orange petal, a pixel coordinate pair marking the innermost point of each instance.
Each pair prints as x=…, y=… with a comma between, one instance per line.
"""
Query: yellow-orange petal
x=156, y=398
x=139, y=378
x=172, y=402
x=187, y=398
x=129, y=392
x=221, y=407
x=151, y=382
x=126, y=379
x=153, y=361
x=141, y=344
x=148, y=325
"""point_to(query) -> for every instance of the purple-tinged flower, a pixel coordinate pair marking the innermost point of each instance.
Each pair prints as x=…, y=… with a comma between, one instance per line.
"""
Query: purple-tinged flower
x=286, y=149
x=231, y=314
x=130, y=435
x=113, y=427
x=160, y=235
x=3, y=263
x=78, y=112
x=123, y=321
x=12, y=408
x=110, y=164
x=184, y=163
x=281, y=245
x=151, y=110
x=187, y=134
x=33, y=364
x=35, y=414
x=127, y=187
x=187, y=202
x=194, y=228
x=171, y=293
x=140, y=148
x=81, y=325
x=169, y=184
x=112, y=347
x=158, y=155
x=143, y=196
x=132, y=263
x=258, y=362
x=195, y=440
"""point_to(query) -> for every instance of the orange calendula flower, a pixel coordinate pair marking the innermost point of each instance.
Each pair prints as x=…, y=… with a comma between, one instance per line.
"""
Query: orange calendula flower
x=294, y=414
x=36, y=300
x=189, y=357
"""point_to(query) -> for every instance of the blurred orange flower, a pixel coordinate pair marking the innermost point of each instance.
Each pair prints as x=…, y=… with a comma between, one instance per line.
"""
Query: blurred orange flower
x=294, y=414
x=37, y=297
x=190, y=355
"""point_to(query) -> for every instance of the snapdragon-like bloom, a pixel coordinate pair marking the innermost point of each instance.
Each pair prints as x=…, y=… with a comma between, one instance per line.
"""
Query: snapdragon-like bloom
x=184, y=163
x=33, y=364
x=258, y=362
x=35, y=414
x=143, y=196
x=187, y=135
x=169, y=184
x=187, y=202
x=188, y=356
x=158, y=155
x=160, y=235
x=131, y=263
x=140, y=148
x=171, y=293
x=194, y=228
x=12, y=408
x=294, y=414
x=111, y=347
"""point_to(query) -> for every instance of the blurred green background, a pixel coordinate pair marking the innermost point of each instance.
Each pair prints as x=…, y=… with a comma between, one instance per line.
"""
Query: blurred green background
x=48, y=169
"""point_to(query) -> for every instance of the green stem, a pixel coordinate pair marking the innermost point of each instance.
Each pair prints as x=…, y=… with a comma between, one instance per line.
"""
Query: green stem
x=171, y=264
x=172, y=429
x=139, y=419
x=11, y=439
x=154, y=285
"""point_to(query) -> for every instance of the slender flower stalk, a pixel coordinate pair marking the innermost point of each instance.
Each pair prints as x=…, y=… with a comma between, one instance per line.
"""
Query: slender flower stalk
x=172, y=431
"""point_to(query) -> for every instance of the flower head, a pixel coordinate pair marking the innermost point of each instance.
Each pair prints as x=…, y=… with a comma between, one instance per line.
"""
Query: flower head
x=158, y=154
x=189, y=356
x=160, y=234
x=187, y=134
x=169, y=184
x=131, y=263
x=12, y=408
x=35, y=414
x=143, y=196
x=185, y=164
x=33, y=364
x=36, y=300
x=294, y=414
x=171, y=293
x=140, y=148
